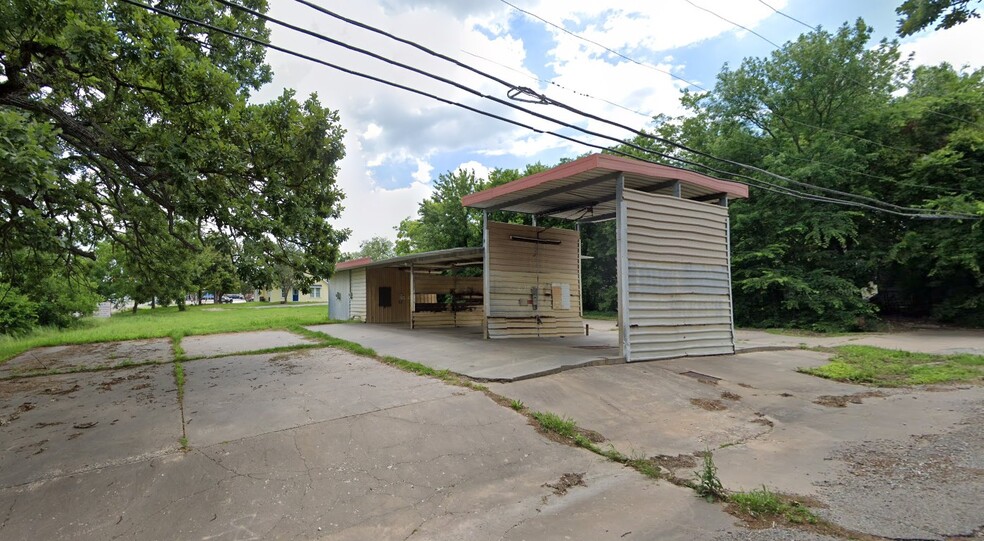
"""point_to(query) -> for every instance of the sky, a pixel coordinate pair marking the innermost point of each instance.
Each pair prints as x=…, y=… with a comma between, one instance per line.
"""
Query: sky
x=397, y=143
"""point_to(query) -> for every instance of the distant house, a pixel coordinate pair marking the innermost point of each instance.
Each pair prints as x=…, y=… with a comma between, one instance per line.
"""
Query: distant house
x=317, y=292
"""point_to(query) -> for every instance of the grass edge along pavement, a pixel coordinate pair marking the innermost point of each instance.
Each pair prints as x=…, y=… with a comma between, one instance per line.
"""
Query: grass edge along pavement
x=882, y=367
x=168, y=323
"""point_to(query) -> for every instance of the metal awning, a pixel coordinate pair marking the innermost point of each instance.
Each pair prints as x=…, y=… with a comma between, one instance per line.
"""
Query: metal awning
x=584, y=190
x=438, y=259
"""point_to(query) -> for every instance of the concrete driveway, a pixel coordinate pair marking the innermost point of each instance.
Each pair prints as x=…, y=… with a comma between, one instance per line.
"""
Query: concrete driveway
x=310, y=444
x=320, y=443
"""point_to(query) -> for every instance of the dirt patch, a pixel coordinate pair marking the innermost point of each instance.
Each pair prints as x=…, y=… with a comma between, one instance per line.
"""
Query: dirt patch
x=45, y=425
x=87, y=356
x=566, y=482
x=728, y=395
x=708, y=404
x=745, y=385
x=841, y=401
x=786, y=395
x=671, y=462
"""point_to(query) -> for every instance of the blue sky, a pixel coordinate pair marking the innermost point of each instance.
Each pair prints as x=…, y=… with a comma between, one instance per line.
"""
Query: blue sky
x=398, y=143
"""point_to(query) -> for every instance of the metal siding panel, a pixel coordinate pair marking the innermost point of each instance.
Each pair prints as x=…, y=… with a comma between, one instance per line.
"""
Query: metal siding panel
x=678, y=277
x=357, y=309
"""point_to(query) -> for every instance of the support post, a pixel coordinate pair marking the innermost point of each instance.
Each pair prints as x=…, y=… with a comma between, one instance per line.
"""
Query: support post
x=413, y=297
x=580, y=282
x=731, y=294
x=534, y=219
x=486, y=305
x=622, y=266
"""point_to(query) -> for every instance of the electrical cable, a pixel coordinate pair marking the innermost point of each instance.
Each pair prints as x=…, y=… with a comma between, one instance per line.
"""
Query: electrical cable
x=814, y=29
x=757, y=182
x=745, y=28
x=529, y=96
x=595, y=43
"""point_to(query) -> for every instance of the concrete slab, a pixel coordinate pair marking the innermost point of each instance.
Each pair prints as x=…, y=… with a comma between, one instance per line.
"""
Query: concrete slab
x=456, y=466
x=65, y=358
x=465, y=351
x=905, y=464
x=236, y=397
x=939, y=341
x=52, y=426
x=641, y=408
x=211, y=345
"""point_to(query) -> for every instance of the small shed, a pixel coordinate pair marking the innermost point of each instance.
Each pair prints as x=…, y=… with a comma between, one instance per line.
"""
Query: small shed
x=673, y=246
x=429, y=289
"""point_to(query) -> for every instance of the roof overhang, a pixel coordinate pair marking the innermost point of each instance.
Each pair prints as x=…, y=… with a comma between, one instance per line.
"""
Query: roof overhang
x=584, y=189
x=439, y=259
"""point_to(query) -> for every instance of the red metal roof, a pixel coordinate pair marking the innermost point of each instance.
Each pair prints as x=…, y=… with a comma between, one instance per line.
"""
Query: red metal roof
x=353, y=263
x=592, y=179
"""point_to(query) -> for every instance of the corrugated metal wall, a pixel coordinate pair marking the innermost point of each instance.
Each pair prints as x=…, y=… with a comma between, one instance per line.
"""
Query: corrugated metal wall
x=679, y=278
x=357, y=308
x=517, y=269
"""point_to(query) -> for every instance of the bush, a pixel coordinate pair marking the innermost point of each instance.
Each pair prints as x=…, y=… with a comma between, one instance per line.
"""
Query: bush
x=18, y=314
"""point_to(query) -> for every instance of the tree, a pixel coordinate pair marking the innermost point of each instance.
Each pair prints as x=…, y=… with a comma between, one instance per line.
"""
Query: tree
x=442, y=222
x=919, y=14
x=132, y=127
x=376, y=248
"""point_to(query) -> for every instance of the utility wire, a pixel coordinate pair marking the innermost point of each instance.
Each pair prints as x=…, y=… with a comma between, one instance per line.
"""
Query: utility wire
x=523, y=94
x=595, y=43
x=816, y=28
x=558, y=85
x=754, y=182
x=769, y=41
x=747, y=29
x=790, y=17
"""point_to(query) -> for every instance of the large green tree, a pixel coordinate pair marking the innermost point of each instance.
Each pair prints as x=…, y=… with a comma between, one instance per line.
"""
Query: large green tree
x=123, y=125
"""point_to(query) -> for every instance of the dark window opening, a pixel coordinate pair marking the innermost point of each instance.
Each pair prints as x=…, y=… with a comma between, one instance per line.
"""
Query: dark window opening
x=385, y=297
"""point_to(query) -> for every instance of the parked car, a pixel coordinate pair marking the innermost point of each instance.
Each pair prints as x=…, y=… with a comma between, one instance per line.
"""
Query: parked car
x=230, y=298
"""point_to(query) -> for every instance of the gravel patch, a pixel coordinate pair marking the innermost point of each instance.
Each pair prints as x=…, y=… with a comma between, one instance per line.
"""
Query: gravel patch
x=926, y=487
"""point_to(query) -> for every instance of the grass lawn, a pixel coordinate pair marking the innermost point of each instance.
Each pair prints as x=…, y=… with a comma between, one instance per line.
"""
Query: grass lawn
x=594, y=314
x=893, y=368
x=168, y=322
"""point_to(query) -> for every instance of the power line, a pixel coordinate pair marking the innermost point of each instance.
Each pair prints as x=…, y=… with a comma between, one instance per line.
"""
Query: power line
x=529, y=96
x=558, y=85
x=747, y=29
x=704, y=89
x=790, y=17
x=758, y=182
x=595, y=43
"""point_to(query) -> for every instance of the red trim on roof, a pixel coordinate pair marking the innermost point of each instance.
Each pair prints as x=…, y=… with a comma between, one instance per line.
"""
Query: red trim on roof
x=353, y=263
x=607, y=161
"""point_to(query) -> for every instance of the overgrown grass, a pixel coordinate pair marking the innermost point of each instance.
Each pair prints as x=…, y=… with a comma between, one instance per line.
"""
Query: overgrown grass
x=169, y=322
x=893, y=368
x=595, y=314
x=765, y=504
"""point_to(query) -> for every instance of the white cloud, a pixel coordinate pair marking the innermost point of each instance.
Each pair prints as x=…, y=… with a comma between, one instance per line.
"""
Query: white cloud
x=960, y=45
x=481, y=170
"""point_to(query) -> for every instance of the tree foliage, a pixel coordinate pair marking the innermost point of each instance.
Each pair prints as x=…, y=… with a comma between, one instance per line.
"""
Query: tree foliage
x=377, y=248
x=920, y=14
x=124, y=126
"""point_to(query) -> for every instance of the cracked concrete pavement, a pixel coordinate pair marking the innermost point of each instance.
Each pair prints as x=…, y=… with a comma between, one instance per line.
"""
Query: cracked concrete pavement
x=308, y=444
x=903, y=465
x=320, y=443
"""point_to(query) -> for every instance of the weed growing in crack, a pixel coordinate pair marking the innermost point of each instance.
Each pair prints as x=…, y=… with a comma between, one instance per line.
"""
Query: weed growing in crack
x=764, y=503
x=562, y=426
x=183, y=440
x=179, y=352
x=708, y=485
x=179, y=379
x=517, y=405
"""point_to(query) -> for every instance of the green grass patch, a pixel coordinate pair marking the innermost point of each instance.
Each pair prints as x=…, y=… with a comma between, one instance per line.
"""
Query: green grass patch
x=763, y=504
x=169, y=322
x=893, y=368
x=562, y=426
x=595, y=314
x=517, y=405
